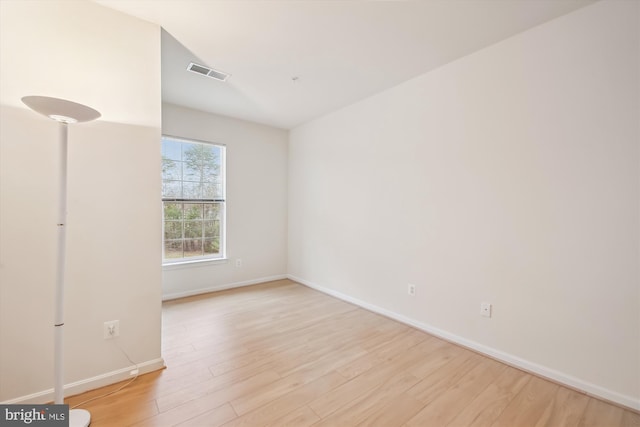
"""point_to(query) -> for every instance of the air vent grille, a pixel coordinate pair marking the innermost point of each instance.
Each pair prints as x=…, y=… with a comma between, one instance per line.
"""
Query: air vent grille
x=209, y=72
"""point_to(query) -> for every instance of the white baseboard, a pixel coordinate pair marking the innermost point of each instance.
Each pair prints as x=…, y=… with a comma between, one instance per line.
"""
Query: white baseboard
x=517, y=362
x=89, y=383
x=176, y=295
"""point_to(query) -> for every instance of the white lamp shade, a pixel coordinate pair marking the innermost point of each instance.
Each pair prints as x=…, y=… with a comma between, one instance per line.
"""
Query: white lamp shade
x=60, y=110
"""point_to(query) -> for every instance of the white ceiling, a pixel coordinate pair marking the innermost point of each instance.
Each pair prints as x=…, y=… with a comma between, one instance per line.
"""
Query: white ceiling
x=341, y=51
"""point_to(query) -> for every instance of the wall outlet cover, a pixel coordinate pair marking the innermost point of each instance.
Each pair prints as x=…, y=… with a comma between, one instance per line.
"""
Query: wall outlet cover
x=485, y=309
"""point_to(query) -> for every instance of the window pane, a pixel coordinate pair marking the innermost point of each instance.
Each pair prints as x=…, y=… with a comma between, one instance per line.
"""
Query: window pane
x=211, y=191
x=192, y=247
x=193, y=172
x=212, y=177
x=193, y=211
x=171, y=149
x=172, y=211
x=192, y=190
x=211, y=246
x=173, y=230
x=201, y=161
x=172, y=189
x=173, y=249
x=212, y=211
x=211, y=228
x=192, y=229
x=171, y=169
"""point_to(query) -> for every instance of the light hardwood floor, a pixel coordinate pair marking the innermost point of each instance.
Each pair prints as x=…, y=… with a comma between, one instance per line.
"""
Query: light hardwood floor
x=280, y=354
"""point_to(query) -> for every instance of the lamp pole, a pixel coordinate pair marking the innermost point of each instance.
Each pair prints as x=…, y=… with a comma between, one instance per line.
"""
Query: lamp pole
x=64, y=112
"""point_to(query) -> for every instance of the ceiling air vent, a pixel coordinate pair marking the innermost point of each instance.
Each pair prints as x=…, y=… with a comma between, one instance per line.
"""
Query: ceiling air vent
x=209, y=72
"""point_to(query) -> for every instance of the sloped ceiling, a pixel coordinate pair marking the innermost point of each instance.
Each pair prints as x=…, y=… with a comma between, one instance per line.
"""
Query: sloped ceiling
x=292, y=61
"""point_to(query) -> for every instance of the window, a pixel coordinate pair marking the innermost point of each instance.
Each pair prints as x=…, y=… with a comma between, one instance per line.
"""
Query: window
x=193, y=199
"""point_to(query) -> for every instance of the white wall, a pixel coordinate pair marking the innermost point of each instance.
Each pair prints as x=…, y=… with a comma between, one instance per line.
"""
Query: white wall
x=256, y=202
x=86, y=53
x=509, y=176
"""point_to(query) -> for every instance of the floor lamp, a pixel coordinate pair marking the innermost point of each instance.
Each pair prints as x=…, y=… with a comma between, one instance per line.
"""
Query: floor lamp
x=65, y=113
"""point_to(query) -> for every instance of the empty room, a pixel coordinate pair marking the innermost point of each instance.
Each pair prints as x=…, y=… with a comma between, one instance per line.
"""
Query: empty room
x=320, y=213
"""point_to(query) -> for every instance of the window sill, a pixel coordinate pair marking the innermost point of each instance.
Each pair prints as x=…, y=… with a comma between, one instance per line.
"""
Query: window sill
x=194, y=263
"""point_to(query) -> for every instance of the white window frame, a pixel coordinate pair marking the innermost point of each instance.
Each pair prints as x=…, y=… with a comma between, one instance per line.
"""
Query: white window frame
x=221, y=255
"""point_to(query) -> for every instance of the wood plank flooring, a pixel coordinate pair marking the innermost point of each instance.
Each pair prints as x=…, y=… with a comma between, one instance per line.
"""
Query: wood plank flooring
x=280, y=354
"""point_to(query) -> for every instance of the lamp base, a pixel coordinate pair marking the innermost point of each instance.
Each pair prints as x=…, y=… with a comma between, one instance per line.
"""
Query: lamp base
x=79, y=418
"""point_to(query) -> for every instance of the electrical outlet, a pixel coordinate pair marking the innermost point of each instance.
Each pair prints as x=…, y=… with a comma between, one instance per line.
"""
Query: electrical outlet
x=485, y=309
x=411, y=289
x=238, y=262
x=111, y=329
